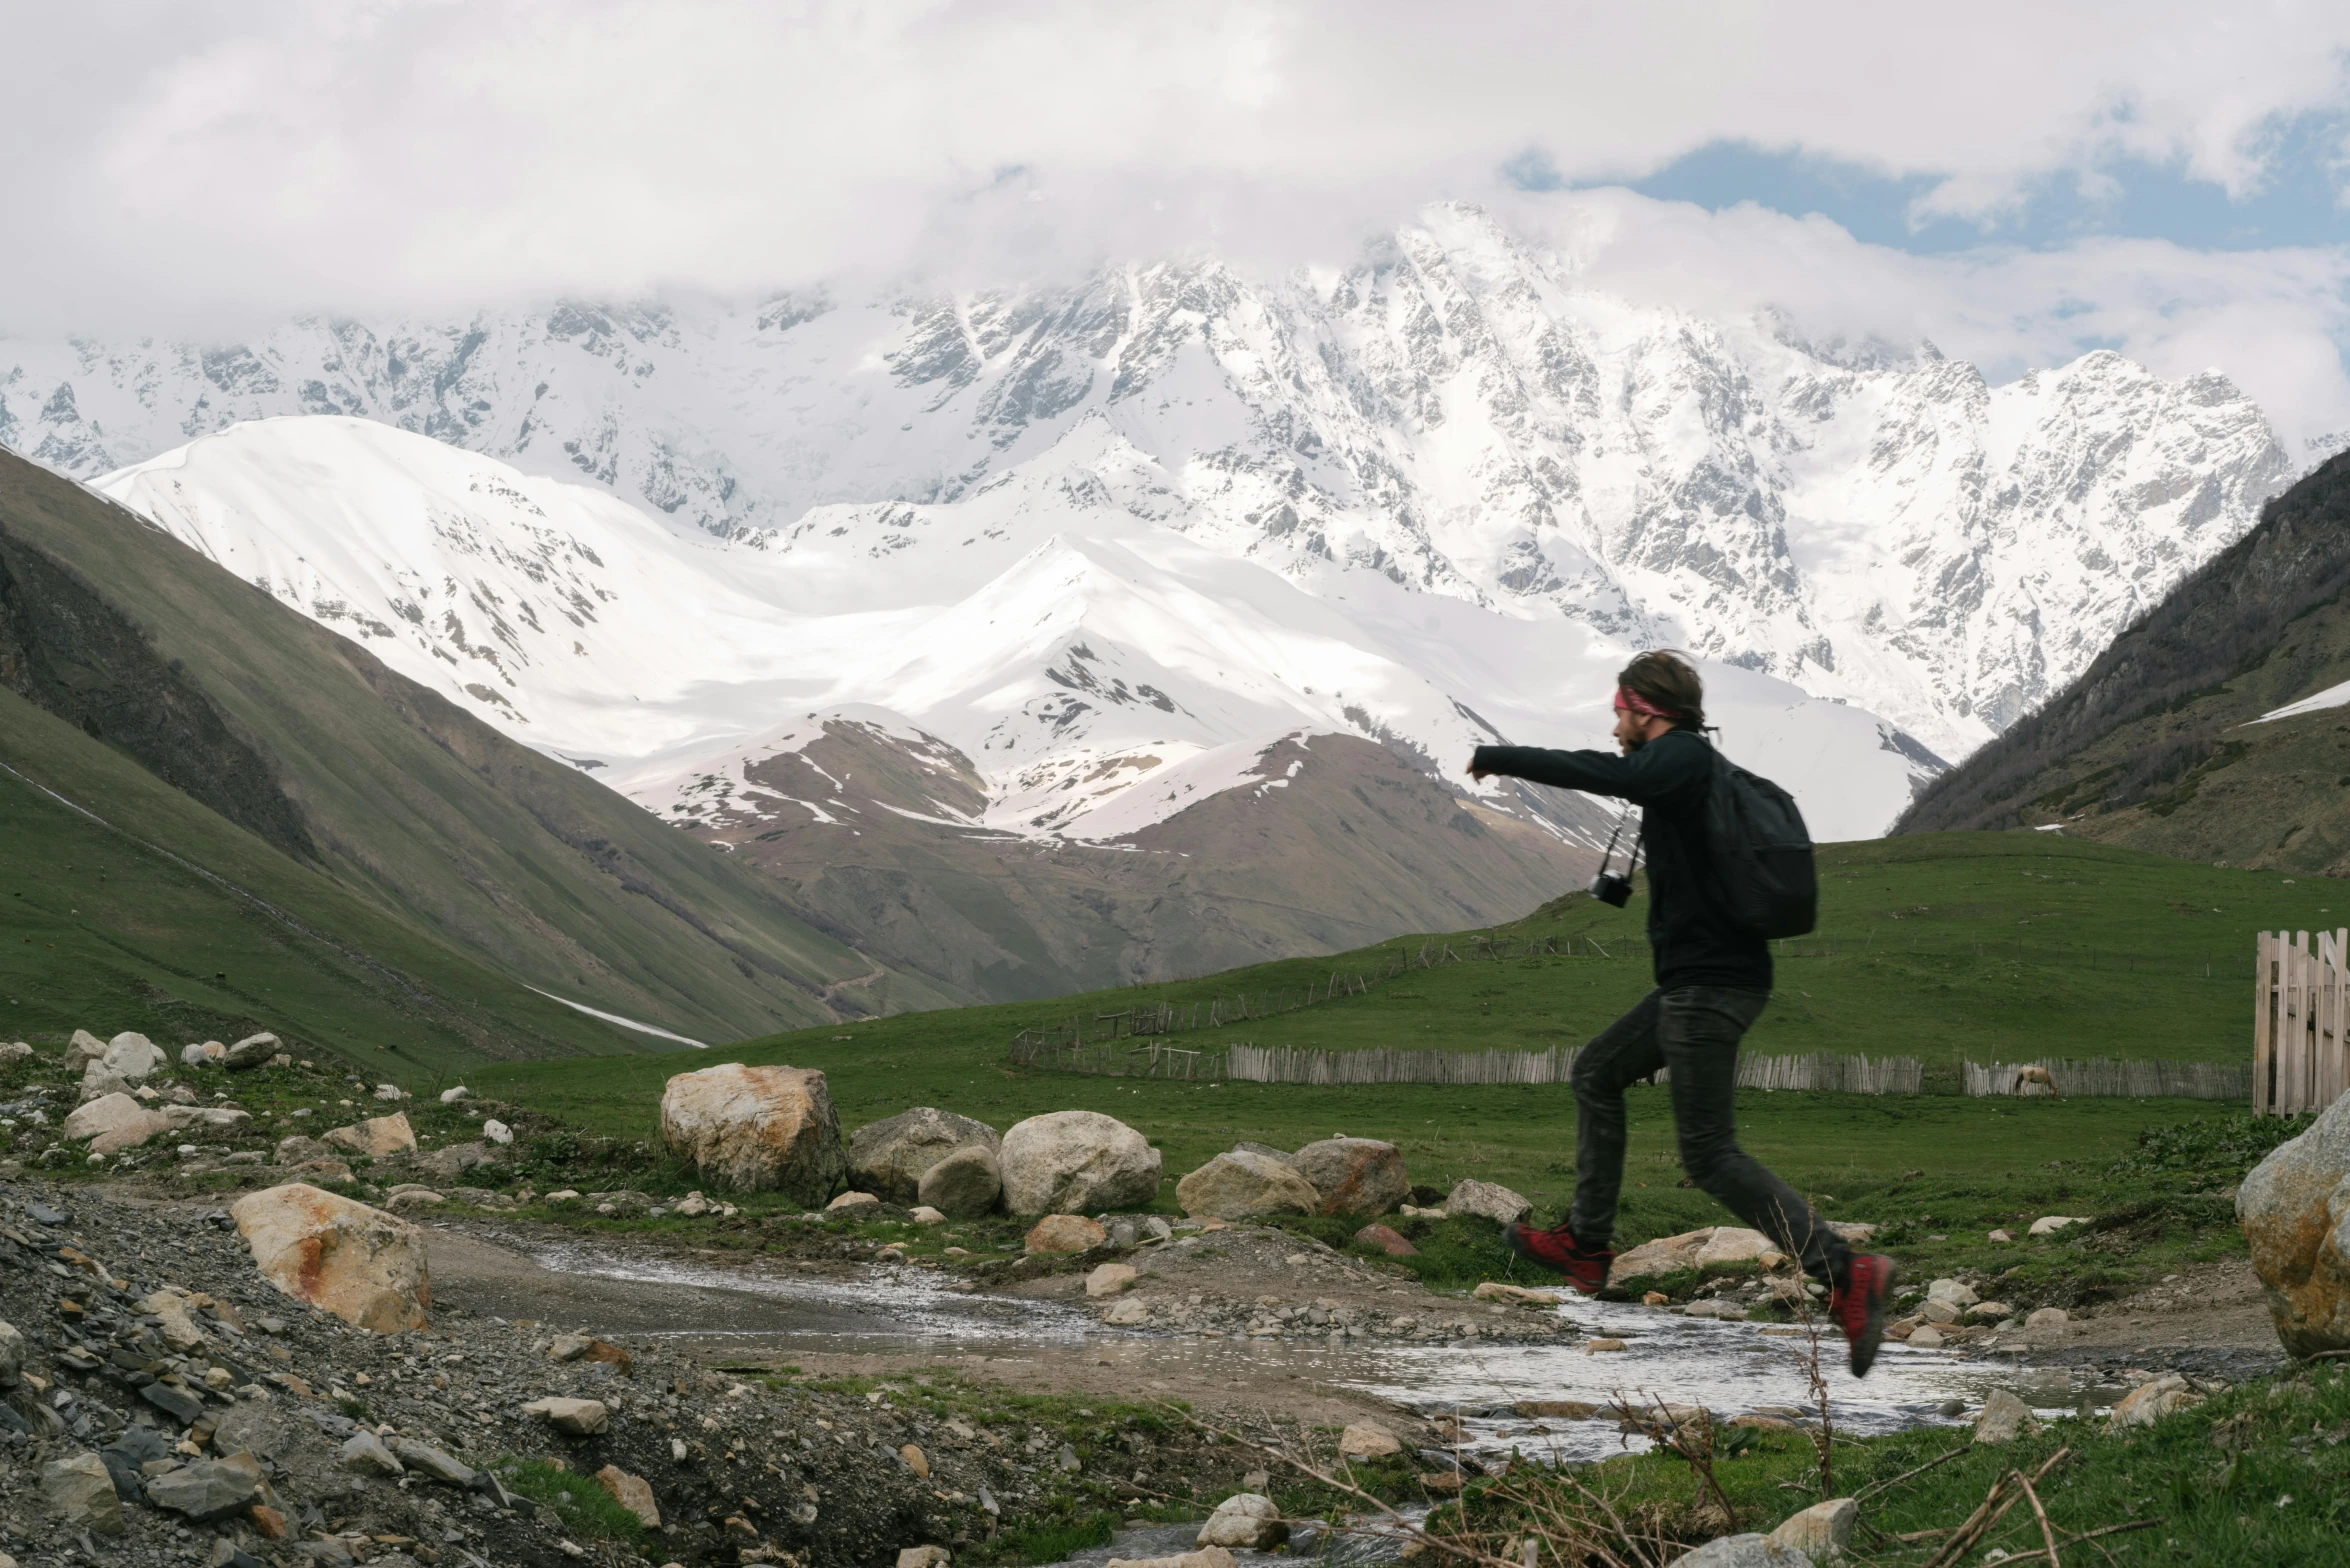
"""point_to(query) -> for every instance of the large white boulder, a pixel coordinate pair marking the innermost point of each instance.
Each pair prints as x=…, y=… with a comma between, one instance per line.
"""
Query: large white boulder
x=1076, y=1162
x=378, y=1137
x=112, y=1122
x=359, y=1263
x=2295, y=1210
x=1359, y=1177
x=1245, y=1519
x=756, y=1129
x=887, y=1157
x=1239, y=1185
x=133, y=1056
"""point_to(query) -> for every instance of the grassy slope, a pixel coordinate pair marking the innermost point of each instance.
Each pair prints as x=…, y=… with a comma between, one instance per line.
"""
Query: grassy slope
x=542, y=873
x=100, y=931
x=1984, y=1163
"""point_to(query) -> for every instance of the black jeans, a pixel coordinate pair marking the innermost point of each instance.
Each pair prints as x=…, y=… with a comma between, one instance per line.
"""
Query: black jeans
x=1694, y=1030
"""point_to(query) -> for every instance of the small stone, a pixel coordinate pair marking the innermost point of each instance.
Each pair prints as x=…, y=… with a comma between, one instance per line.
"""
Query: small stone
x=1952, y=1291
x=1132, y=1312
x=1487, y=1200
x=452, y=1096
x=252, y=1051
x=1362, y=1440
x=1654, y=1298
x=1109, y=1279
x=1596, y=1347
x=1495, y=1290
x=177, y=1403
x=2003, y=1418
x=572, y=1417
x=210, y=1489
x=924, y=1214
x=390, y=1091
x=433, y=1463
x=848, y=1201
x=78, y=1489
x=2150, y=1402
x=1245, y=1520
x=1989, y=1312
x=916, y=1460
x=964, y=1183
x=1743, y=1551
x=363, y=1453
x=2048, y=1320
x=1386, y=1240
x=1822, y=1532
x=2001, y=1235
x=1940, y=1311
x=268, y=1523
x=2050, y=1224
x=379, y=1137
x=632, y=1492
x=1925, y=1337
x=1554, y=1410
x=924, y=1557
x=497, y=1132
x=1065, y=1233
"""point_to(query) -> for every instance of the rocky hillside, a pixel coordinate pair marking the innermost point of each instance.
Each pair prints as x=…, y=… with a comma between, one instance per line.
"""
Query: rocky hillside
x=2214, y=727
x=363, y=787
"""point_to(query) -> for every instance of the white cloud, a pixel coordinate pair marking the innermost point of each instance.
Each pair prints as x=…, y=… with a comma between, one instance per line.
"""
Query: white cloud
x=169, y=161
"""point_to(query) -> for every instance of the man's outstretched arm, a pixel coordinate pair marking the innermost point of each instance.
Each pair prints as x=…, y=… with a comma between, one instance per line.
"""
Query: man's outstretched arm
x=1656, y=769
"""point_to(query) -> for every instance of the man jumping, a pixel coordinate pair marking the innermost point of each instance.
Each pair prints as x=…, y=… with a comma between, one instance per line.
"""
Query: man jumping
x=1712, y=981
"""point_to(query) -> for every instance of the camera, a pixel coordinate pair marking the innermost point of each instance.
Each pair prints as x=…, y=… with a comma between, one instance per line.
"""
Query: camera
x=1612, y=889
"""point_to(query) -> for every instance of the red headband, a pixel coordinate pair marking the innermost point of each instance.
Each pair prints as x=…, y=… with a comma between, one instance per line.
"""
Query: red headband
x=1626, y=697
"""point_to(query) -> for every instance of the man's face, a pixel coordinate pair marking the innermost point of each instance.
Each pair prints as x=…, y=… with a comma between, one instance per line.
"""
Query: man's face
x=1631, y=730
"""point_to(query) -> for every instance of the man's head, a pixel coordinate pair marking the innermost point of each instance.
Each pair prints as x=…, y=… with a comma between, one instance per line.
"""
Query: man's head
x=1656, y=692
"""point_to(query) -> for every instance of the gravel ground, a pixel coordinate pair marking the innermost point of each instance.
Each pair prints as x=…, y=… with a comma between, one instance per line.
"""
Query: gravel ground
x=225, y=1418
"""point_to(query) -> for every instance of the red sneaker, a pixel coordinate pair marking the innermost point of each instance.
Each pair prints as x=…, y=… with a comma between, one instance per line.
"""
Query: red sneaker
x=1585, y=1267
x=1858, y=1306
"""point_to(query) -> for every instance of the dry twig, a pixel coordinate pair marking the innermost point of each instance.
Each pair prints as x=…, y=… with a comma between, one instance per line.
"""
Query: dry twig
x=1865, y=1494
x=2047, y=1530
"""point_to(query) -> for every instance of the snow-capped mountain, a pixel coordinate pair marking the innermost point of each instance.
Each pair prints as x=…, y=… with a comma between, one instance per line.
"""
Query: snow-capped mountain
x=1093, y=672
x=1376, y=463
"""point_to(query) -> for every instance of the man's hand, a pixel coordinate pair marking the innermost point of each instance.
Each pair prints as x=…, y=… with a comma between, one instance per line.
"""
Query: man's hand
x=1475, y=772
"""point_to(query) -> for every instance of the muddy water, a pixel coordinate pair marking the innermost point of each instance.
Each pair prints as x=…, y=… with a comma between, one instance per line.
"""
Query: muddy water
x=1729, y=1368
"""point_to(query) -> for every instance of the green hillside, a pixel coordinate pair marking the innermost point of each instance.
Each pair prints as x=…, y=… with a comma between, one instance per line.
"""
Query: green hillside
x=440, y=823
x=222, y=933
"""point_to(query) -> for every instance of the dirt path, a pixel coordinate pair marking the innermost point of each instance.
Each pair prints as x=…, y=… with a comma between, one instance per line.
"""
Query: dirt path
x=2213, y=1306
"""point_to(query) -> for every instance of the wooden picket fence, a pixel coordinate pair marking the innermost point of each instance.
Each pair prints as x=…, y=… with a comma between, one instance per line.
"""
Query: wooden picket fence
x=2300, y=1061
x=2133, y=1080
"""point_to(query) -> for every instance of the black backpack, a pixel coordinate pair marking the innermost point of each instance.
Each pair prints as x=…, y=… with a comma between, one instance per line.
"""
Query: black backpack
x=1762, y=853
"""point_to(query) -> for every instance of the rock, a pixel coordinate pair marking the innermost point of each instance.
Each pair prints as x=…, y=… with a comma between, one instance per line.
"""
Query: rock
x=1940, y=1311
x=1665, y=1255
x=2003, y=1418
x=1362, y=1440
x=1854, y=1231
x=756, y=1129
x=1554, y=1410
x=2294, y=1208
x=1109, y=1279
x=208, y=1489
x=363, y=1453
x=451, y=1161
x=850, y=1202
x=320, y=1170
x=1132, y=1312
x=964, y=1183
x=632, y=1492
x=1597, y=1347
x=2150, y=1402
x=78, y=1489
x=1246, y=1520
x=1743, y=1551
x=497, y=1132
x=1822, y=1532
x=1386, y=1240
x=435, y=1464
x=98, y=1083
x=916, y=1460
x=1495, y=1290
x=2050, y=1224
x=1359, y=1177
x=2049, y=1318
x=132, y=1056
x=571, y=1417
x=295, y=1149
x=379, y=1137
x=401, y=1200
x=1989, y=1312
x=222, y=1120
x=391, y=1091
x=889, y=1156
x=252, y=1051
x=1065, y=1233
x=452, y=1096
x=114, y=1122
x=1488, y=1201
x=177, y=1403
x=1925, y=1337
x=1068, y=1162
x=179, y=1325
x=1950, y=1290
x=1236, y=1186
x=924, y=1214
x=1730, y=1246
x=84, y=1046
x=2000, y=1235
x=924, y=1556
x=12, y=1348
x=359, y=1263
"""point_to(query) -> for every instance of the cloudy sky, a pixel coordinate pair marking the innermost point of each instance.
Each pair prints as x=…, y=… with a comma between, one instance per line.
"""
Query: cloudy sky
x=2016, y=181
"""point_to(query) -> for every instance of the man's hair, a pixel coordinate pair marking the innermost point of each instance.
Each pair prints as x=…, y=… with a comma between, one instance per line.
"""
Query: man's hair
x=1666, y=681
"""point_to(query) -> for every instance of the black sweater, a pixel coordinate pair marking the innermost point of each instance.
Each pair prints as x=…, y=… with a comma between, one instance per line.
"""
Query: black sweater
x=1668, y=778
